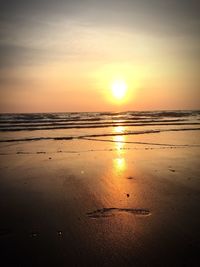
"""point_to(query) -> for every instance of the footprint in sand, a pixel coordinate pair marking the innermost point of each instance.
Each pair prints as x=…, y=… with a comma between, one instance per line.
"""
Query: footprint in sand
x=108, y=212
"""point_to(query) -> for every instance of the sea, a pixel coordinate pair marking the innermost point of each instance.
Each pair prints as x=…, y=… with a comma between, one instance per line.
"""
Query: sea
x=26, y=127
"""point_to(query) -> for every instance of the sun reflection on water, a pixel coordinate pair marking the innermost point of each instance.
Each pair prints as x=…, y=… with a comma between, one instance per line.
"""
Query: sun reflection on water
x=119, y=142
x=119, y=161
x=119, y=129
x=119, y=164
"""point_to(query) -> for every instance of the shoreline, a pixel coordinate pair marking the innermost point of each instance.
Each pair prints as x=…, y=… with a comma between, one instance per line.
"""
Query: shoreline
x=118, y=206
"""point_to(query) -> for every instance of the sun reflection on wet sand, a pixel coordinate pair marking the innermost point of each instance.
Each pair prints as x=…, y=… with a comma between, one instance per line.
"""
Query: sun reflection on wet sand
x=119, y=161
x=120, y=188
x=119, y=164
x=119, y=129
x=119, y=142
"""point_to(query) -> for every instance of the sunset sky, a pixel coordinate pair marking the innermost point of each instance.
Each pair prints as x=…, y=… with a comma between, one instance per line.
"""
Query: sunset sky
x=68, y=55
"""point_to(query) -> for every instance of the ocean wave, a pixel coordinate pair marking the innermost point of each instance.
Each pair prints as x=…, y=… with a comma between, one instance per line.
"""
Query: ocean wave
x=99, y=125
x=93, y=136
x=65, y=126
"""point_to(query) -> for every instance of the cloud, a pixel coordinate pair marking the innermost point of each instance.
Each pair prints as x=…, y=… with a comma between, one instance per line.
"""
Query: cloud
x=45, y=31
x=172, y=16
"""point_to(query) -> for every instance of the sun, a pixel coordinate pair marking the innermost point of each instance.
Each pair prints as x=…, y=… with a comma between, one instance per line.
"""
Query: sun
x=119, y=89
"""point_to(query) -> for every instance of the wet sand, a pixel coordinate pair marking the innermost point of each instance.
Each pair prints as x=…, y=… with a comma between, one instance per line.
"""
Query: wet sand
x=101, y=203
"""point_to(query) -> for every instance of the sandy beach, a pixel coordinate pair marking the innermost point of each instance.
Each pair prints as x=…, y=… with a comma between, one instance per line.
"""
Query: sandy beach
x=101, y=203
x=100, y=133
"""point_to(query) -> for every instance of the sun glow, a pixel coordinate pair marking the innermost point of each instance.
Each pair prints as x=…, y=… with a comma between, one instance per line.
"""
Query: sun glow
x=119, y=89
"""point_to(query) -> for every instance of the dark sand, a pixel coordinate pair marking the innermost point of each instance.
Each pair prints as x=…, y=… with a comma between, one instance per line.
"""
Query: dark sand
x=93, y=203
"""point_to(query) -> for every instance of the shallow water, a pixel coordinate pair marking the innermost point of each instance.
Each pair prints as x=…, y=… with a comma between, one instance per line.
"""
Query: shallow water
x=114, y=189
x=65, y=126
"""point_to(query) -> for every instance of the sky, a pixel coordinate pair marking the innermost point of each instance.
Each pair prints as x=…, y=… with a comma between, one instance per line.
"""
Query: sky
x=65, y=55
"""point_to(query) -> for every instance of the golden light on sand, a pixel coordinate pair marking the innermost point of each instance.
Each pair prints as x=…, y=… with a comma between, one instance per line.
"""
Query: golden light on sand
x=120, y=164
x=119, y=141
x=119, y=129
x=119, y=89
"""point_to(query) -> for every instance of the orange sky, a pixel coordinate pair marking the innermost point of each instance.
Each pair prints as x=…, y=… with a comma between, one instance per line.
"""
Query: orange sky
x=54, y=62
